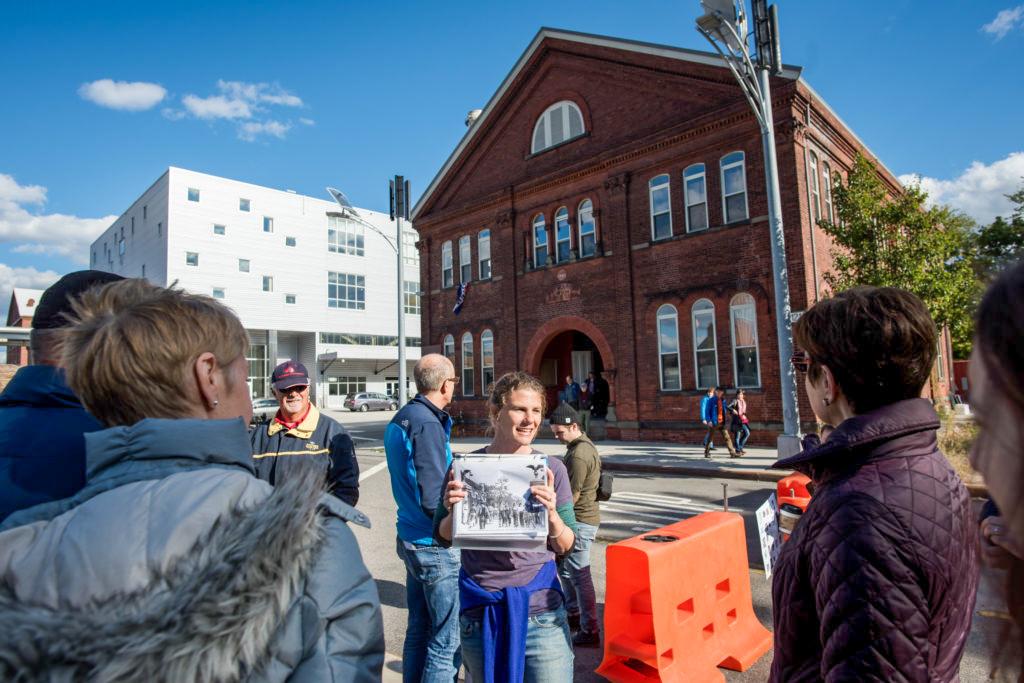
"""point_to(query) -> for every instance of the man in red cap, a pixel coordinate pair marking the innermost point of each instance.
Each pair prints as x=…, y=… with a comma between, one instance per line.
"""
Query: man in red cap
x=300, y=431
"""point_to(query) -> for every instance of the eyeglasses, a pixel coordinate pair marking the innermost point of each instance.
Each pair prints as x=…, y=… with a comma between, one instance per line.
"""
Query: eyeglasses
x=294, y=390
x=801, y=361
x=453, y=380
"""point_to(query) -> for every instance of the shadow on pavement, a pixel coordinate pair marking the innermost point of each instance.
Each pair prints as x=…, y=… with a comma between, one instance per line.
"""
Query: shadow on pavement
x=391, y=593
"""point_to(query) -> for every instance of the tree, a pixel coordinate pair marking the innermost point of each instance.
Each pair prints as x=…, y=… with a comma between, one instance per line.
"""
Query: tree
x=894, y=240
x=1000, y=243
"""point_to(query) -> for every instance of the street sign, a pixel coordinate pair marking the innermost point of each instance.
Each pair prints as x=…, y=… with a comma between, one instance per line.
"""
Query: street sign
x=768, y=530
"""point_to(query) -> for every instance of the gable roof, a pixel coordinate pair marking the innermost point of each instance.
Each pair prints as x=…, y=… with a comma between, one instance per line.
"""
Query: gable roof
x=25, y=300
x=653, y=49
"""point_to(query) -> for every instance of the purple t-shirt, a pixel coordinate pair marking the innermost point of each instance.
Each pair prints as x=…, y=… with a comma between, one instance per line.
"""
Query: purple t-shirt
x=494, y=570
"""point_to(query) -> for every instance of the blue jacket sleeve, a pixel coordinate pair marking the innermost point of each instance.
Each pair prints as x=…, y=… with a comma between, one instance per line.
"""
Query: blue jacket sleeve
x=343, y=474
x=430, y=458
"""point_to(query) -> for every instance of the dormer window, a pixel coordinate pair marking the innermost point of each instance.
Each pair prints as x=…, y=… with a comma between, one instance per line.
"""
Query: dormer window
x=560, y=122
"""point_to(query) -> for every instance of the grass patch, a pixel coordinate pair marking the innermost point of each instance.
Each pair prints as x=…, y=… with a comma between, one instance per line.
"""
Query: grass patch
x=955, y=440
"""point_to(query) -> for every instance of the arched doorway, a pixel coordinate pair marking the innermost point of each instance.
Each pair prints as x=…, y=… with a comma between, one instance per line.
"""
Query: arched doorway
x=571, y=346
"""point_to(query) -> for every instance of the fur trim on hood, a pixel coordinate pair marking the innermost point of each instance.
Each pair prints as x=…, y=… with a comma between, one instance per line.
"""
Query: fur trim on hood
x=211, y=617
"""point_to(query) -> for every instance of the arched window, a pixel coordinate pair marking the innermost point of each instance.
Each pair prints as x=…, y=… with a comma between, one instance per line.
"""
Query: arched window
x=587, y=229
x=467, y=365
x=483, y=254
x=826, y=174
x=661, y=207
x=447, y=272
x=734, y=187
x=465, y=260
x=705, y=350
x=743, y=319
x=486, y=361
x=813, y=189
x=560, y=122
x=563, y=236
x=696, y=191
x=540, y=242
x=448, y=348
x=668, y=348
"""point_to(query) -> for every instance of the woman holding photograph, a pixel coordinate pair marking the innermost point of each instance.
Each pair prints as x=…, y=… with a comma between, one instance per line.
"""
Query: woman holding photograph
x=513, y=621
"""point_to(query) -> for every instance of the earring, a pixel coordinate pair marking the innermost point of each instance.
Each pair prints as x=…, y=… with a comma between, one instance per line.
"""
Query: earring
x=827, y=401
x=216, y=402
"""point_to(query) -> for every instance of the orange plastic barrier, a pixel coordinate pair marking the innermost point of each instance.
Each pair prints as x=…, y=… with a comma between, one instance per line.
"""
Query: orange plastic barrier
x=793, y=490
x=678, y=605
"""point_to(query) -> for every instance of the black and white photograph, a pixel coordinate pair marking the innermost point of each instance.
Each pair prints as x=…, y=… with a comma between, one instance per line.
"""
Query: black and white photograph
x=499, y=509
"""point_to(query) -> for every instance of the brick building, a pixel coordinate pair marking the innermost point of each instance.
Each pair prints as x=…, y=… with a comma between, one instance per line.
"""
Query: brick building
x=608, y=206
x=19, y=314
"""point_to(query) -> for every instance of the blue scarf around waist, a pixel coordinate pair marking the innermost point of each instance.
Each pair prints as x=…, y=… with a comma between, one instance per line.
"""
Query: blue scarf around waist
x=505, y=618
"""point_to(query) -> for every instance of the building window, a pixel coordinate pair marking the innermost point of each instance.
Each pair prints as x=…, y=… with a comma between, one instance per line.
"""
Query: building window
x=410, y=254
x=661, y=207
x=734, y=187
x=145, y=211
x=483, y=253
x=133, y=225
x=447, y=270
x=465, y=260
x=243, y=265
x=668, y=348
x=121, y=247
x=259, y=370
x=289, y=298
x=940, y=357
x=366, y=339
x=540, y=242
x=412, y=298
x=560, y=122
x=345, y=386
x=705, y=351
x=467, y=365
x=289, y=241
x=813, y=188
x=268, y=224
x=159, y=229
x=143, y=270
x=563, y=236
x=695, y=188
x=486, y=362
x=826, y=174
x=268, y=283
x=345, y=236
x=191, y=258
x=448, y=348
x=243, y=205
x=218, y=292
x=346, y=291
x=587, y=229
x=219, y=230
x=193, y=194
x=743, y=318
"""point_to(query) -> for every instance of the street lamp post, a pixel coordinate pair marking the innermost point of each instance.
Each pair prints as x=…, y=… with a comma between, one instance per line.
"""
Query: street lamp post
x=724, y=24
x=348, y=211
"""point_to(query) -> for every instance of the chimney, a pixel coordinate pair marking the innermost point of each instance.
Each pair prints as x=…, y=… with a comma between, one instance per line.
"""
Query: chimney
x=472, y=116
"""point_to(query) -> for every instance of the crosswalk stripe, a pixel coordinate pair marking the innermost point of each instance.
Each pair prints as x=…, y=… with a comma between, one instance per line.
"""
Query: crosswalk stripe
x=644, y=515
x=635, y=498
x=650, y=496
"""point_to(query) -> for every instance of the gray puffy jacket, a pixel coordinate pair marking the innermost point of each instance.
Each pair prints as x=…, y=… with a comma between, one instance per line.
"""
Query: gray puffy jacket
x=175, y=563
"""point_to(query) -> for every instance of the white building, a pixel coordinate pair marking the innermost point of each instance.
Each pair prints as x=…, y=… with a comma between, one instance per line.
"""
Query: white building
x=306, y=284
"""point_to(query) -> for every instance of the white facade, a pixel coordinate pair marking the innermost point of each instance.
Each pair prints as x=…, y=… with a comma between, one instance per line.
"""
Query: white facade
x=193, y=228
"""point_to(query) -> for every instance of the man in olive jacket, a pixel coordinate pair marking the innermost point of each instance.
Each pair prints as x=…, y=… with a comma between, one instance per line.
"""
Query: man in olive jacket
x=584, y=467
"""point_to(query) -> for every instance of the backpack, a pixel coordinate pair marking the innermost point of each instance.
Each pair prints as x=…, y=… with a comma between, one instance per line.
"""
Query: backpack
x=604, y=486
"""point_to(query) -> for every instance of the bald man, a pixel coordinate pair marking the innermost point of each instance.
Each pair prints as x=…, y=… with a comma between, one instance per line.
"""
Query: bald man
x=417, y=443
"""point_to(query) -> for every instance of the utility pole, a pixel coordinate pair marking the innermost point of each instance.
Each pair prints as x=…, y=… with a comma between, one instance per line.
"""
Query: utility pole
x=399, y=202
x=724, y=24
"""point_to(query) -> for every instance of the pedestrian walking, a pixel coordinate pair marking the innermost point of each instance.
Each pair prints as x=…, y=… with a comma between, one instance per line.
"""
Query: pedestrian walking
x=418, y=449
x=300, y=432
x=42, y=422
x=584, y=467
x=739, y=421
x=513, y=620
x=174, y=562
x=572, y=392
x=878, y=580
x=715, y=414
x=996, y=379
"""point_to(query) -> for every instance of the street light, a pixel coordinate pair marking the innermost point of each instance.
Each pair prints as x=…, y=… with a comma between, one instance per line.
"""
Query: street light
x=348, y=211
x=724, y=24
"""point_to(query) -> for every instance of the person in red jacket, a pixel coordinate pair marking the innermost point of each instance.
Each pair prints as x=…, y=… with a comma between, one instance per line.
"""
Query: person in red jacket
x=878, y=581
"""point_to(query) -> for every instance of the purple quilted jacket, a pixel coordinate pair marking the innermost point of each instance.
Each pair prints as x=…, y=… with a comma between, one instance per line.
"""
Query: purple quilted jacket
x=878, y=581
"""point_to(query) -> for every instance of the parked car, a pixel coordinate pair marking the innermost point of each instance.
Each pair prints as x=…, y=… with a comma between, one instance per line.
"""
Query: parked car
x=364, y=401
x=264, y=410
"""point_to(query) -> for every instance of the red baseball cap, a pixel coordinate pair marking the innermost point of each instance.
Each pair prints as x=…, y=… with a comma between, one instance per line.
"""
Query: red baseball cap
x=290, y=373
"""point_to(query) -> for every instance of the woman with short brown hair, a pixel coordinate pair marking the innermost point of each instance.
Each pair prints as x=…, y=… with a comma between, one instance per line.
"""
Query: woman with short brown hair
x=879, y=577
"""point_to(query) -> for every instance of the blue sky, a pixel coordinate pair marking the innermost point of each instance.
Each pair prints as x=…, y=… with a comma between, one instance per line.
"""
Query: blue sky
x=303, y=95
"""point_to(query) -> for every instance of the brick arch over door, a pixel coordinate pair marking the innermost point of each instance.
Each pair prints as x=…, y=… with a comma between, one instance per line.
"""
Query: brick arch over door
x=569, y=323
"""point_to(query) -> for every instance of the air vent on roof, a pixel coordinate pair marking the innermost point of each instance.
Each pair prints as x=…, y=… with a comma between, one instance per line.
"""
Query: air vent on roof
x=472, y=116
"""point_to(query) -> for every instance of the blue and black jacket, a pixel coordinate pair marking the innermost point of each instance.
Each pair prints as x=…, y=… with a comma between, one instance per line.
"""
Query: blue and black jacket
x=418, y=447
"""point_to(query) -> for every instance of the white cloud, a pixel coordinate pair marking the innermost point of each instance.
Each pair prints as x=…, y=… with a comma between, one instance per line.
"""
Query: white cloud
x=173, y=114
x=980, y=191
x=1005, y=21
x=41, y=233
x=30, y=278
x=216, y=107
x=271, y=93
x=250, y=130
x=307, y=122
x=135, y=96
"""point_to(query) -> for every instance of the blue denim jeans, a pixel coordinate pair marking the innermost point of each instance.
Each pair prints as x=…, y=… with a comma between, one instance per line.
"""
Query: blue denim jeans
x=742, y=434
x=549, y=656
x=431, y=651
x=577, y=583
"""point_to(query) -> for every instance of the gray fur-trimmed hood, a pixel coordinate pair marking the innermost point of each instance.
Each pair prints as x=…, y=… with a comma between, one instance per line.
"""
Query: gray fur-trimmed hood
x=212, y=615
